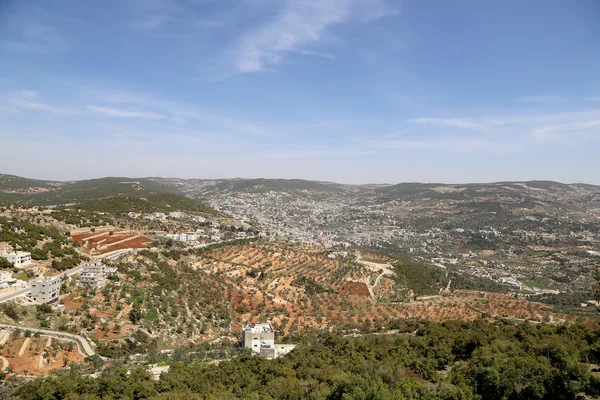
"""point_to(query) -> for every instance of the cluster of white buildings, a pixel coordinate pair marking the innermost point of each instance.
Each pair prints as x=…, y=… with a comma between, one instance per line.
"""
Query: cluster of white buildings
x=94, y=275
x=183, y=237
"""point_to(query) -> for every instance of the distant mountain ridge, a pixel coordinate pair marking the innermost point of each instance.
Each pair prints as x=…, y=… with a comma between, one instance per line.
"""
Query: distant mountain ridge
x=46, y=192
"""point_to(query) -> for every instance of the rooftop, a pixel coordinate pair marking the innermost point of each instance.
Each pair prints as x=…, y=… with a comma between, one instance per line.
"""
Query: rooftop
x=258, y=328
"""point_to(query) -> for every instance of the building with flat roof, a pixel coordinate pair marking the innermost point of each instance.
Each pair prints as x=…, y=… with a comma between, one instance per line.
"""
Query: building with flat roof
x=257, y=336
x=91, y=280
x=260, y=338
x=45, y=289
x=18, y=258
x=93, y=275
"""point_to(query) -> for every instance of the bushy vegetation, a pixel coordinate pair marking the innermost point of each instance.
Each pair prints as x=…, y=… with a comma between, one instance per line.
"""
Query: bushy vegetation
x=180, y=297
x=25, y=236
x=423, y=279
x=475, y=360
x=472, y=282
x=570, y=299
x=311, y=287
x=148, y=203
x=82, y=218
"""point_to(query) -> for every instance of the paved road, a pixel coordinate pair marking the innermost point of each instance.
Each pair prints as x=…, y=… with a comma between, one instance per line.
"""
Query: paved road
x=14, y=295
x=85, y=345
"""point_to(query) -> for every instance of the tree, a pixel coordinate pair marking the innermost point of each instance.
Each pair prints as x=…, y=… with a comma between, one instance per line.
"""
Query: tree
x=135, y=315
x=596, y=287
x=4, y=263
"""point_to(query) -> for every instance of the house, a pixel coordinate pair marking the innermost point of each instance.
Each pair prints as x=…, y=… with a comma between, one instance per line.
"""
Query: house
x=260, y=338
x=156, y=370
x=91, y=280
x=45, y=289
x=257, y=336
x=18, y=258
x=94, y=275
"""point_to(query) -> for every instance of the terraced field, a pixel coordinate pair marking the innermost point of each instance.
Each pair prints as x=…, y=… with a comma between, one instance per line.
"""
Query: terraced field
x=299, y=288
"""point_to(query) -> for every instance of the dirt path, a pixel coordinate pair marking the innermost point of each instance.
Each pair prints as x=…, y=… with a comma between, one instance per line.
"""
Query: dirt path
x=4, y=363
x=48, y=344
x=24, y=347
x=386, y=270
x=4, y=336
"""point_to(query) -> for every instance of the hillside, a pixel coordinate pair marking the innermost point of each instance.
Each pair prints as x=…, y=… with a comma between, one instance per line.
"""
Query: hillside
x=113, y=195
x=459, y=361
x=149, y=203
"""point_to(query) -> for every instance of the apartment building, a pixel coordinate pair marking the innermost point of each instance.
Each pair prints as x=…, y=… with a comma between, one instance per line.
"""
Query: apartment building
x=45, y=289
x=18, y=258
x=93, y=275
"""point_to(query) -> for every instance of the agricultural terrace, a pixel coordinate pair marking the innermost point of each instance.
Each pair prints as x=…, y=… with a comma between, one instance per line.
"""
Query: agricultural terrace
x=26, y=354
x=107, y=240
x=299, y=288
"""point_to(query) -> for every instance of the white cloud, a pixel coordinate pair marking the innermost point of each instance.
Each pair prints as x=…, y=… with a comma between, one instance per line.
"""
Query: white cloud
x=454, y=122
x=121, y=113
x=30, y=100
x=177, y=112
x=298, y=24
x=541, y=98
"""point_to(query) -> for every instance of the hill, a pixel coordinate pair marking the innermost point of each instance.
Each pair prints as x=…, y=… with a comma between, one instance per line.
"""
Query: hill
x=151, y=202
x=112, y=194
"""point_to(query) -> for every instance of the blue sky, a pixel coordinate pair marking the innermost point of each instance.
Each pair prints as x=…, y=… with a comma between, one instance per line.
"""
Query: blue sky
x=351, y=91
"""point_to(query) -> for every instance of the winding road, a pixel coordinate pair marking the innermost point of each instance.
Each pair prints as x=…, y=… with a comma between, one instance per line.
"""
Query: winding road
x=85, y=345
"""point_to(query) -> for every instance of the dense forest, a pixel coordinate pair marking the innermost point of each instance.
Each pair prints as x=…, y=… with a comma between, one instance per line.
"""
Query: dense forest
x=477, y=360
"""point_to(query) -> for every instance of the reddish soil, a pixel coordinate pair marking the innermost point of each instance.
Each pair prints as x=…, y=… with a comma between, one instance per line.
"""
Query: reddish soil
x=139, y=242
x=70, y=303
x=29, y=363
x=354, y=289
x=104, y=242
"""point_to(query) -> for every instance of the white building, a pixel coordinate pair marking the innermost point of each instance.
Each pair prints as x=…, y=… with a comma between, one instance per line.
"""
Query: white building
x=94, y=275
x=6, y=278
x=257, y=336
x=45, y=289
x=18, y=258
x=260, y=338
x=91, y=280
x=183, y=237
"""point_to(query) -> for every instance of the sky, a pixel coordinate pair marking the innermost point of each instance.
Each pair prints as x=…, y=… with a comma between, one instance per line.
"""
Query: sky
x=352, y=91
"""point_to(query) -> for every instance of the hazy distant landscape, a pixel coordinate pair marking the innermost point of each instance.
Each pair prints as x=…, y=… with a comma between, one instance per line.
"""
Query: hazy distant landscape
x=299, y=200
x=194, y=261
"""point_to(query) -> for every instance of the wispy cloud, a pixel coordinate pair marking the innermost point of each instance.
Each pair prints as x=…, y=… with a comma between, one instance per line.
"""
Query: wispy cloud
x=454, y=122
x=297, y=25
x=180, y=113
x=541, y=98
x=566, y=132
x=30, y=100
x=121, y=113
x=310, y=154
